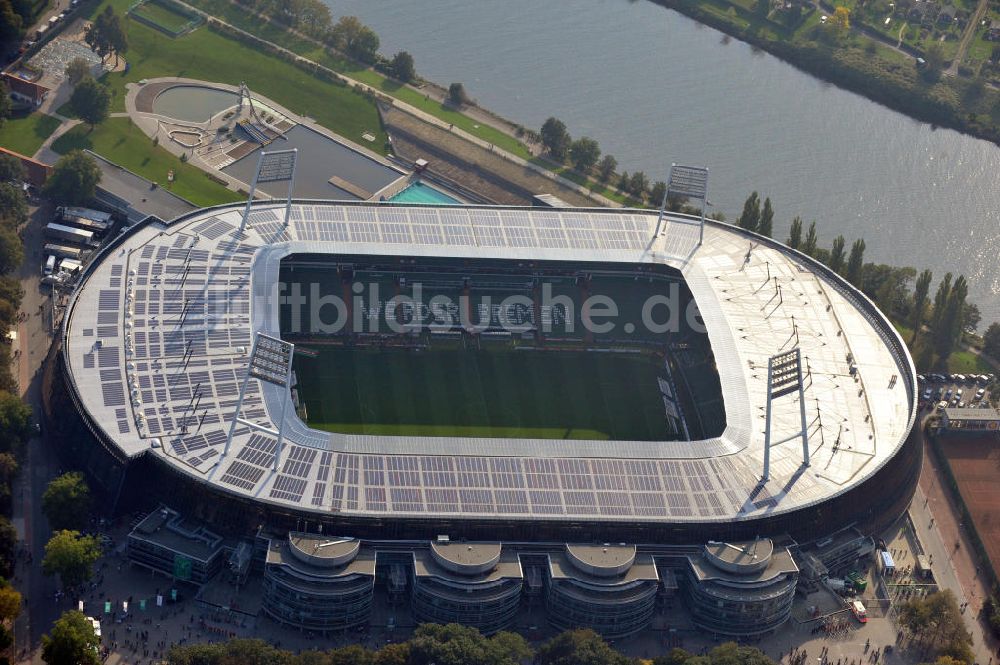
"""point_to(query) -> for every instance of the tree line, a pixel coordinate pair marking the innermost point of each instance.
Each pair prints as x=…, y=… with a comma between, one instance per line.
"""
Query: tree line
x=454, y=644
x=348, y=35
x=938, y=326
x=15, y=17
x=15, y=416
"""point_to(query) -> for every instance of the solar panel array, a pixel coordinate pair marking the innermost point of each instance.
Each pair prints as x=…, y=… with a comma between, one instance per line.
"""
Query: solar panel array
x=182, y=299
x=470, y=227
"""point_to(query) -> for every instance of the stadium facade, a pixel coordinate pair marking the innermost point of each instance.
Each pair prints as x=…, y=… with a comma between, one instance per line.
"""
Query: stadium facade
x=155, y=358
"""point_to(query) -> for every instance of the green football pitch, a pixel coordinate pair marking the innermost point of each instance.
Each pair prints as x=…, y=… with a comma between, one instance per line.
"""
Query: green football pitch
x=505, y=393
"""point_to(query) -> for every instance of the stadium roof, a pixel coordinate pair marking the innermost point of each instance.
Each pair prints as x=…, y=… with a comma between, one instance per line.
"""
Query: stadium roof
x=158, y=333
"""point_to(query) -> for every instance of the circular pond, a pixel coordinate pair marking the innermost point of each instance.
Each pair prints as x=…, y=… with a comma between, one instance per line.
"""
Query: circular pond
x=193, y=103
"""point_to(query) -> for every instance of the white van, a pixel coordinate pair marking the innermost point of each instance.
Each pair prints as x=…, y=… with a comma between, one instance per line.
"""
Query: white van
x=50, y=265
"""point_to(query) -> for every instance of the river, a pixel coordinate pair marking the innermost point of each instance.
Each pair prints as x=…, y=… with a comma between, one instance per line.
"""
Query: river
x=654, y=87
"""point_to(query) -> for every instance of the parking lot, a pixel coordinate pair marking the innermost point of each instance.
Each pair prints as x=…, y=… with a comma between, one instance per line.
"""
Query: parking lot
x=955, y=390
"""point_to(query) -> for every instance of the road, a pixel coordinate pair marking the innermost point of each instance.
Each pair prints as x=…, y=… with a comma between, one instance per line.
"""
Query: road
x=39, y=465
x=967, y=35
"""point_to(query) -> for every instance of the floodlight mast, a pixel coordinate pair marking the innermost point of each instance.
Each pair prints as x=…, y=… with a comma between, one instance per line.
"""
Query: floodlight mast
x=689, y=182
x=273, y=166
x=784, y=377
x=271, y=365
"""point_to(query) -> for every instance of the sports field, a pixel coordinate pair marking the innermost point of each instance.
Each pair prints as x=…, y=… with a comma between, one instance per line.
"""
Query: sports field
x=494, y=393
x=975, y=464
x=162, y=14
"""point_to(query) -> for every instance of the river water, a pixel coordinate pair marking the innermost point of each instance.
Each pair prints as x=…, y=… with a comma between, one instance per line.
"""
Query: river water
x=654, y=87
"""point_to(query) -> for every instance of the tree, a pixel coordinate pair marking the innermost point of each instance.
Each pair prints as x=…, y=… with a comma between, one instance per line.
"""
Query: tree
x=606, y=168
x=936, y=623
x=402, y=67
x=10, y=603
x=623, y=182
x=10, y=23
x=836, y=260
x=556, y=139
x=454, y=644
x=920, y=301
x=13, y=205
x=766, y=224
x=749, y=219
x=8, y=545
x=352, y=36
x=76, y=70
x=11, y=169
x=457, y=95
x=657, y=192
x=638, y=184
x=4, y=103
x=66, y=502
x=934, y=57
x=15, y=422
x=352, y=654
x=579, y=647
x=584, y=153
x=98, y=34
x=72, y=641
x=971, y=317
x=940, y=304
x=991, y=341
x=397, y=653
x=795, y=234
x=71, y=556
x=855, y=263
x=90, y=101
x=74, y=179
x=841, y=21
x=11, y=251
x=811, y=241
x=948, y=331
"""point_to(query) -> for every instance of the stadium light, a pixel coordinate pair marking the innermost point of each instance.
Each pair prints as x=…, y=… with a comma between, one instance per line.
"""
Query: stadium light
x=686, y=182
x=273, y=166
x=270, y=362
x=784, y=377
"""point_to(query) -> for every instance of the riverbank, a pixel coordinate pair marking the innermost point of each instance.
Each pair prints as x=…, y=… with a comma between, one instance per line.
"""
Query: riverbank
x=858, y=62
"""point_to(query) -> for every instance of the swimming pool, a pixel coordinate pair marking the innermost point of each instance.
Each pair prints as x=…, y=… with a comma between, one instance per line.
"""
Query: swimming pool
x=418, y=192
x=193, y=103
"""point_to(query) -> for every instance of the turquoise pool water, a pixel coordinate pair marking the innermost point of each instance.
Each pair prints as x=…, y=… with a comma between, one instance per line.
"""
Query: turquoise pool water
x=418, y=192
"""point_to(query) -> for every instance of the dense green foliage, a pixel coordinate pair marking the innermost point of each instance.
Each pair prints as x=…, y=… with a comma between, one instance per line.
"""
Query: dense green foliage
x=66, y=502
x=90, y=101
x=936, y=623
x=458, y=645
x=71, y=641
x=74, y=179
x=71, y=556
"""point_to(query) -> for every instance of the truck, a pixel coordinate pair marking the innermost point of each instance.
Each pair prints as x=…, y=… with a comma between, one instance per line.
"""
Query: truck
x=61, y=232
x=71, y=266
x=50, y=265
x=859, y=611
x=64, y=251
x=84, y=218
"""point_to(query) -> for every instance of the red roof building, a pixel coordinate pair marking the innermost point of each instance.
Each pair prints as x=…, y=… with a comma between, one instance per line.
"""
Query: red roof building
x=35, y=172
x=25, y=91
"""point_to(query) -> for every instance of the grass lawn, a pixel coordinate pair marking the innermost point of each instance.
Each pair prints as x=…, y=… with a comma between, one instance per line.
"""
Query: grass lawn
x=209, y=56
x=123, y=143
x=495, y=393
x=278, y=34
x=163, y=15
x=966, y=362
x=26, y=133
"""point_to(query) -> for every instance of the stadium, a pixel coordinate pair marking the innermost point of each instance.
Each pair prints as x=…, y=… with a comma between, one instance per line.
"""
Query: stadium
x=491, y=375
